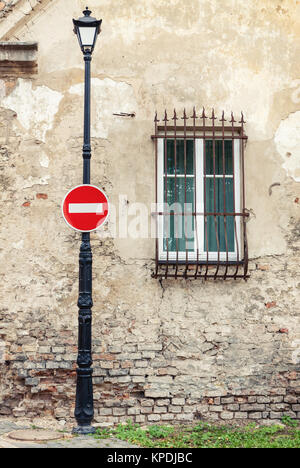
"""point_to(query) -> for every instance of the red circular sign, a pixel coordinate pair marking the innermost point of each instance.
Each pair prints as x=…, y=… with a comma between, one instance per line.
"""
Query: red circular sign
x=85, y=208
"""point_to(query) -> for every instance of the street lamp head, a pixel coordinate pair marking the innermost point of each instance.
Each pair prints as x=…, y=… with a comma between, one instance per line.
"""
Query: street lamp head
x=87, y=30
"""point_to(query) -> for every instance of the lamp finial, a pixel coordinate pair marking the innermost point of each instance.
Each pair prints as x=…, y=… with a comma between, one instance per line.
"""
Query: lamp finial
x=87, y=12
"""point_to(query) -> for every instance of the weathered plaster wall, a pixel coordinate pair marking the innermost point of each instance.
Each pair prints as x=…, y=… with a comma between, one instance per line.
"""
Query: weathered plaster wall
x=169, y=350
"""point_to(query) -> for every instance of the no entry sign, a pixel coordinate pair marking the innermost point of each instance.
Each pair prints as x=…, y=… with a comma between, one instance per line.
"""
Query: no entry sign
x=85, y=208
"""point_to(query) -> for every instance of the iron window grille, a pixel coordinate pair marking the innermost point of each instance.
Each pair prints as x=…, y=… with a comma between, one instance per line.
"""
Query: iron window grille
x=200, y=197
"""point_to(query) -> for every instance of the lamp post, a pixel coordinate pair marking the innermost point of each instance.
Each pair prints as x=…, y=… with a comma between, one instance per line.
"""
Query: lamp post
x=87, y=30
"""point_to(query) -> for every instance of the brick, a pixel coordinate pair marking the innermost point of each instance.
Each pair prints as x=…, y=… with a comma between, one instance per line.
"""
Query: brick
x=149, y=354
x=119, y=411
x=127, y=364
x=234, y=407
x=263, y=267
x=44, y=349
x=252, y=399
x=98, y=380
x=139, y=371
x=105, y=411
x=269, y=305
x=274, y=415
x=115, y=349
x=160, y=409
x=111, y=403
x=162, y=402
x=32, y=382
x=146, y=410
x=291, y=399
x=255, y=415
x=129, y=356
x=263, y=399
x=253, y=407
x=175, y=409
x=227, y=415
x=106, y=365
x=148, y=402
x=277, y=399
x=153, y=417
x=118, y=372
x=167, y=417
x=241, y=415
x=123, y=380
x=150, y=347
x=279, y=406
x=178, y=401
x=140, y=418
x=53, y=365
x=128, y=402
x=138, y=379
x=157, y=393
x=133, y=411
x=184, y=417
x=227, y=400
x=129, y=348
x=296, y=407
x=141, y=363
x=215, y=408
x=188, y=409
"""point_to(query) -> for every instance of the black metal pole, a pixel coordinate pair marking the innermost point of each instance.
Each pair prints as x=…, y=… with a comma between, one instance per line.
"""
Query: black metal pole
x=84, y=411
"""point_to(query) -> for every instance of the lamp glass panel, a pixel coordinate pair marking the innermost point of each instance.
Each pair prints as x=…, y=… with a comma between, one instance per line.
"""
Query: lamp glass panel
x=87, y=36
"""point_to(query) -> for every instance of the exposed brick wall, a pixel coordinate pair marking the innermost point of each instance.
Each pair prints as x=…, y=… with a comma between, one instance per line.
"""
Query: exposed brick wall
x=139, y=381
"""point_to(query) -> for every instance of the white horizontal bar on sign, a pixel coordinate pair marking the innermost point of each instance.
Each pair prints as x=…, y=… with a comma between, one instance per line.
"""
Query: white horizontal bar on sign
x=86, y=208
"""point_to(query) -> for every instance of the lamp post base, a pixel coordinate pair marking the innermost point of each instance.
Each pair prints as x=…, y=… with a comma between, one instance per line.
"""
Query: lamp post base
x=84, y=430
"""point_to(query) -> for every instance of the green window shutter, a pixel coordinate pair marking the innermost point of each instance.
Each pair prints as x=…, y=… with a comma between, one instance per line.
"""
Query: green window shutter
x=178, y=225
x=219, y=228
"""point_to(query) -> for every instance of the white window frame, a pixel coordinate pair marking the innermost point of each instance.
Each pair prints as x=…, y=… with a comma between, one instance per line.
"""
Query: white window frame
x=199, y=219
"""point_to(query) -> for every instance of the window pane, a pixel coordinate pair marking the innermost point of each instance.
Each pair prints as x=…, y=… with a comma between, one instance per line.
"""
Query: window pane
x=180, y=157
x=87, y=36
x=176, y=227
x=218, y=157
x=217, y=228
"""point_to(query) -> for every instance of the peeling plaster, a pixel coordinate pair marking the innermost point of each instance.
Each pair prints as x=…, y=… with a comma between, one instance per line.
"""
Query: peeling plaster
x=35, y=108
x=18, y=245
x=44, y=160
x=287, y=140
x=110, y=97
x=31, y=181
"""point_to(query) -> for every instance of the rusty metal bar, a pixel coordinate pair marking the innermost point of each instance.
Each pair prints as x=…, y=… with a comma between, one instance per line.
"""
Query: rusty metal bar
x=166, y=189
x=175, y=188
x=201, y=128
x=213, y=118
x=204, y=181
x=200, y=137
x=224, y=191
x=233, y=171
x=196, y=238
x=242, y=122
x=194, y=213
x=185, y=189
x=232, y=276
x=156, y=199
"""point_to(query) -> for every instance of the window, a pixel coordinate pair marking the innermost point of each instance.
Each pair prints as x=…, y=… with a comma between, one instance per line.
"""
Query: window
x=200, y=199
